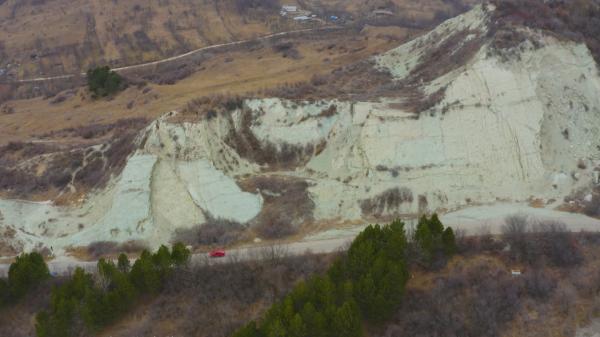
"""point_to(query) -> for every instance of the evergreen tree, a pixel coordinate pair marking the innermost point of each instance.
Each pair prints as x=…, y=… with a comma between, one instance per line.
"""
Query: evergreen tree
x=180, y=255
x=162, y=262
x=367, y=283
x=315, y=322
x=98, y=300
x=123, y=263
x=449, y=242
x=396, y=237
x=276, y=329
x=347, y=321
x=297, y=327
x=28, y=271
x=103, y=82
x=249, y=330
x=435, y=226
x=4, y=293
x=424, y=239
x=365, y=294
x=143, y=274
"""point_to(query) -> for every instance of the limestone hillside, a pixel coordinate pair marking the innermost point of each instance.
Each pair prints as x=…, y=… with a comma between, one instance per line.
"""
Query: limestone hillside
x=463, y=115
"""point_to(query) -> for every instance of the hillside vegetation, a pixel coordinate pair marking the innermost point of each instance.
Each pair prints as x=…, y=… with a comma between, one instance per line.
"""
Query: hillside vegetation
x=391, y=282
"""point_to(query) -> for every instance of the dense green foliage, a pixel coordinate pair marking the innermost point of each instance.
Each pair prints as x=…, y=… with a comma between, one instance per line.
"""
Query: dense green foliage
x=103, y=82
x=432, y=240
x=365, y=285
x=27, y=272
x=98, y=300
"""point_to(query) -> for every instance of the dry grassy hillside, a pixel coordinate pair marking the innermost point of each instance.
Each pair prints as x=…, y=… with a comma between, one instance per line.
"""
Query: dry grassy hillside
x=71, y=120
x=402, y=10
x=78, y=33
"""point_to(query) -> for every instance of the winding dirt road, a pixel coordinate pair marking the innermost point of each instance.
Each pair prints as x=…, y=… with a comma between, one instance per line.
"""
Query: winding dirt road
x=190, y=53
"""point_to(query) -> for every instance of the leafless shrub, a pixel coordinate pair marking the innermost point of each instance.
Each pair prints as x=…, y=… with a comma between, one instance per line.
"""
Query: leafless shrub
x=287, y=50
x=274, y=253
x=55, y=168
x=318, y=80
x=120, y=149
x=539, y=242
x=450, y=54
x=7, y=109
x=209, y=107
x=59, y=167
x=58, y=99
x=475, y=301
x=539, y=284
x=287, y=205
x=418, y=102
x=592, y=208
x=358, y=81
x=275, y=230
x=388, y=201
x=515, y=226
x=274, y=156
x=221, y=297
x=92, y=131
x=215, y=232
x=25, y=150
x=99, y=249
x=245, y=5
x=92, y=174
x=569, y=20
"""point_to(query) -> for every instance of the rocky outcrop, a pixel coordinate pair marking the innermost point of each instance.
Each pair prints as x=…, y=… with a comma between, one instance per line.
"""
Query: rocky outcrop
x=496, y=127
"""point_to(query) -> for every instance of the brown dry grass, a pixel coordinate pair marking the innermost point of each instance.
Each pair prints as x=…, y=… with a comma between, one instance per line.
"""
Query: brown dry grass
x=79, y=33
x=105, y=249
x=248, y=72
x=214, y=301
x=537, y=203
x=475, y=294
x=287, y=205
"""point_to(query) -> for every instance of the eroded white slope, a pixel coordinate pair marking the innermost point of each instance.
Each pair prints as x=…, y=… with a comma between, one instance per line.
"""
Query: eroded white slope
x=506, y=130
x=217, y=193
x=402, y=60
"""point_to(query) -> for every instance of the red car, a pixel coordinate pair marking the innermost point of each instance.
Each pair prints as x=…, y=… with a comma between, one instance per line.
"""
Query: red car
x=217, y=253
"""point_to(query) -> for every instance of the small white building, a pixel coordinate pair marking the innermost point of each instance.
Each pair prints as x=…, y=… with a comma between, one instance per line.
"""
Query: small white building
x=302, y=18
x=382, y=12
x=289, y=9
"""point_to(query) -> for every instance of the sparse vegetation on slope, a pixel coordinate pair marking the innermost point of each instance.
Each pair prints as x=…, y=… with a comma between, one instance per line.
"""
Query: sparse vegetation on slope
x=569, y=20
x=534, y=270
x=52, y=168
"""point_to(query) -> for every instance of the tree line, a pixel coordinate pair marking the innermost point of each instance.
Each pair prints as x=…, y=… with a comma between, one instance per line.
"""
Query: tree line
x=88, y=302
x=364, y=286
x=27, y=272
